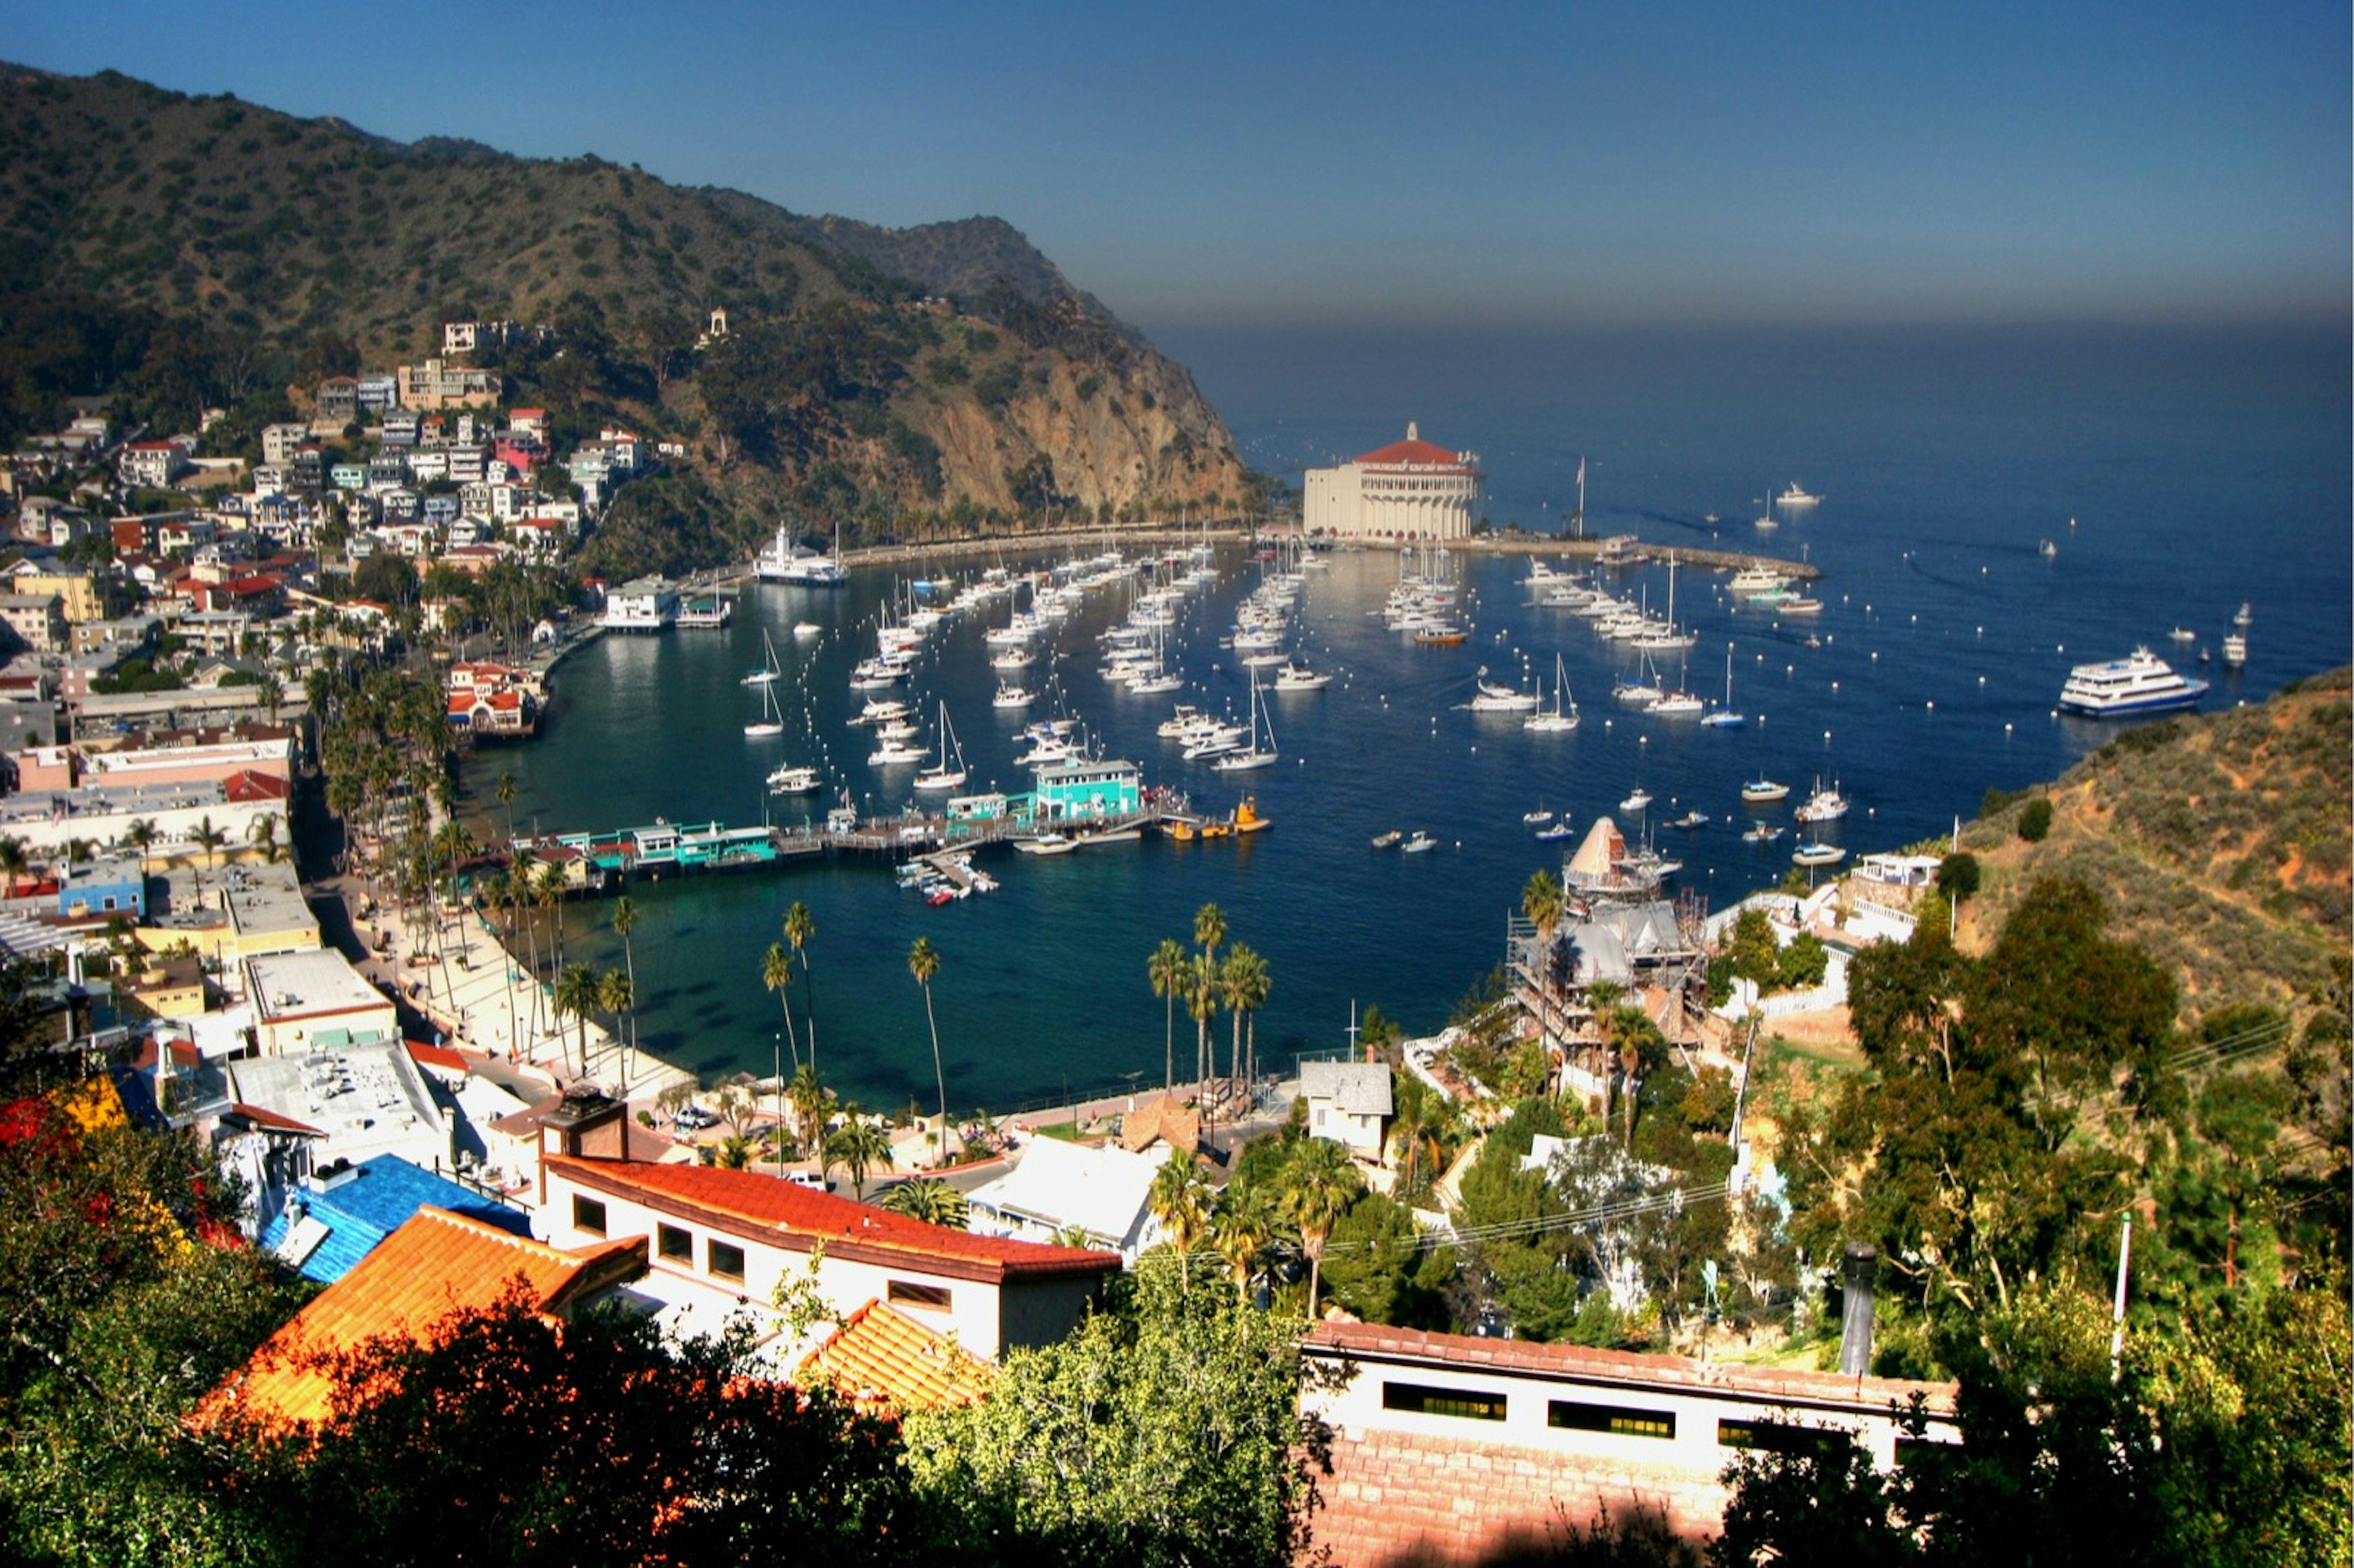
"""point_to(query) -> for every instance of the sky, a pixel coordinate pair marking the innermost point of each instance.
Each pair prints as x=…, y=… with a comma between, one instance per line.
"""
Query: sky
x=1368, y=163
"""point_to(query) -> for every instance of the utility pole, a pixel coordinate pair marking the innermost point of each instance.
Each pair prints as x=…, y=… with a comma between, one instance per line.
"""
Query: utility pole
x=2117, y=1333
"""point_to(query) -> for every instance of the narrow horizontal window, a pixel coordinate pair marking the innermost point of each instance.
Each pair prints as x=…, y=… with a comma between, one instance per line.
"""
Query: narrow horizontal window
x=1781, y=1437
x=1421, y=1399
x=1619, y=1420
x=907, y=1293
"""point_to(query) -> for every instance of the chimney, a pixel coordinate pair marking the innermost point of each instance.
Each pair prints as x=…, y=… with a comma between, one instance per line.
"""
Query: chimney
x=587, y=1124
x=1858, y=1271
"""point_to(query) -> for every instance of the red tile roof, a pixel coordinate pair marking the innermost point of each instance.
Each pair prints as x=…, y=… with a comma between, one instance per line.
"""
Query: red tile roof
x=271, y=1120
x=882, y=1357
x=247, y=785
x=1417, y=453
x=1371, y=1341
x=437, y=1263
x=783, y=1214
x=436, y=1057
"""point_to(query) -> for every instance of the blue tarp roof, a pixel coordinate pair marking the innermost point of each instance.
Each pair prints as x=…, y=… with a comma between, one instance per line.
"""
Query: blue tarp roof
x=373, y=1204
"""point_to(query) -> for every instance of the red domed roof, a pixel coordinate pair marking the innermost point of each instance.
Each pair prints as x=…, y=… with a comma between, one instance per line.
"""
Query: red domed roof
x=1412, y=451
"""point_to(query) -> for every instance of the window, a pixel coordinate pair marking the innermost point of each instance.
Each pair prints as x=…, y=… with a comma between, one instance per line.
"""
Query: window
x=1781, y=1437
x=588, y=1214
x=1423, y=1400
x=907, y=1293
x=675, y=1244
x=726, y=1260
x=1619, y=1420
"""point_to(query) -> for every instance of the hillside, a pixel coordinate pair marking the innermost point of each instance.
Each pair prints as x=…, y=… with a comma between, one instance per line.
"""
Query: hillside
x=250, y=249
x=2222, y=841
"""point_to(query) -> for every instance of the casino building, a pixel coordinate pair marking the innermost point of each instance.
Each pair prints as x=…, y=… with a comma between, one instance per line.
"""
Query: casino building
x=1408, y=489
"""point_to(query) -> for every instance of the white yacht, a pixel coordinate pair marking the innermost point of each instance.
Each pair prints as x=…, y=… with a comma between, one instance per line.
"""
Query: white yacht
x=1823, y=805
x=785, y=561
x=1010, y=696
x=1794, y=496
x=795, y=779
x=2141, y=682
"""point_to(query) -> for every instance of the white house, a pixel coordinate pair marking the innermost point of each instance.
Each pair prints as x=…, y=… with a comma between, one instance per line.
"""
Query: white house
x=1348, y=1103
x=1059, y=1188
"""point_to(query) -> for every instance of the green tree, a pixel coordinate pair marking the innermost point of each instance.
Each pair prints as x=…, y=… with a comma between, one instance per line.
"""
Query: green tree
x=1377, y=1265
x=858, y=1145
x=2035, y=819
x=1166, y=1431
x=777, y=975
x=1959, y=876
x=801, y=927
x=1179, y=1199
x=625, y=920
x=935, y=1202
x=576, y=993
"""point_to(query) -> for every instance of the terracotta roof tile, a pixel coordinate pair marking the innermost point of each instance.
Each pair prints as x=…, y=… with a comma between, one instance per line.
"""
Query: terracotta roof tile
x=436, y=1264
x=764, y=1209
x=1419, y=454
x=880, y=1356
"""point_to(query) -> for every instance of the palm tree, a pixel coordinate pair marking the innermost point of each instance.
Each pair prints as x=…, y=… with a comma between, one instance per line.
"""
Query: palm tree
x=263, y=835
x=1416, y=1131
x=14, y=861
x=799, y=927
x=813, y=1104
x=1542, y=902
x=934, y=1203
x=1324, y=1183
x=1180, y=1200
x=777, y=974
x=1201, y=1003
x=505, y=791
x=141, y=835
x=1166, y=969
x=1245, y=983
x=859, y=1146
x=1209, y=928
x=617, y=995
x=497, y=892
x=575, y=993
x=924, y=962
x=625, y=919
x=1239, y=1228
x=209, y=839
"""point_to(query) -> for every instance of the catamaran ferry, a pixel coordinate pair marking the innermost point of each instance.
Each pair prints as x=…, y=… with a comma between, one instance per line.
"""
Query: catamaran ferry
x=2141, y=682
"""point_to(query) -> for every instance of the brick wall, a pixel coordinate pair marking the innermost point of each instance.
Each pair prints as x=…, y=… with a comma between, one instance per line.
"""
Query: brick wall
x=1394, y=1499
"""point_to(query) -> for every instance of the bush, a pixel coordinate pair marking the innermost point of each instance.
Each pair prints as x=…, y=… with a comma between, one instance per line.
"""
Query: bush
x=1957, y=874
x=2035, y=819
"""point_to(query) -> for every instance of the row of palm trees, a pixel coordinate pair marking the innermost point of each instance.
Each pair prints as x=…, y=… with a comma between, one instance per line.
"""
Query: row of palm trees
x=1240, y=983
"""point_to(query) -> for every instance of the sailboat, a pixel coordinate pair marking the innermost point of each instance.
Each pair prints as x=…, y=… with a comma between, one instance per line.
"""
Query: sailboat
x=1727, y=716
x=766, y=673
x=944, y=775
x=1258, y=755
x=770, y=721
x=1769, y=521
x=1563, y=716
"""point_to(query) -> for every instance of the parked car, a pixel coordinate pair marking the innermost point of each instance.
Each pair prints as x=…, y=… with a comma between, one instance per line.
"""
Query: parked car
x=809, y=1179
x=695, y=1119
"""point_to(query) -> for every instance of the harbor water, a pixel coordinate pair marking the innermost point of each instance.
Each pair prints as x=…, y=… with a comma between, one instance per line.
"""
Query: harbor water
x=2173, y=476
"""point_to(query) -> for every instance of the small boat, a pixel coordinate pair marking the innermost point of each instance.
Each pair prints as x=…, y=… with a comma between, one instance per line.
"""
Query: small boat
x=771, y=722
x=1794, y=496
x=2183, y=634
x=2235, y=650
x=1823, y=805
x=1046, y=844
x=1246, y=819
x=1417, y=844
x=1763, y=833
x=2244, y=615
x=1536, y=818
x=1558, y=831
x=1690, y=820
x=1012, y=697
x=1390, y=840
x=1156, y=685
x=946, y=774
x=794, y=780
x=1799, y=607
x=894, y=754
x=1300, y=678
x=880, y=712
x=1491, y=697
x=1013, y=659
x=2046, y=549
x=1636, y=801
x=1817, y=855
x=1443, y=634
x=1758, y=791
x=806, y=629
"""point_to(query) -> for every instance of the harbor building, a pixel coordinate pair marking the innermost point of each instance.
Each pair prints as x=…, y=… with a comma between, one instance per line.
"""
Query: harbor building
x=1408, y=489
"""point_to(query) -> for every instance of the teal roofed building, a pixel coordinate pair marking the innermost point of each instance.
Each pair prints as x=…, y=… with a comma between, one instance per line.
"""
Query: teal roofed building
x=1083, y=789
x=338, y=1216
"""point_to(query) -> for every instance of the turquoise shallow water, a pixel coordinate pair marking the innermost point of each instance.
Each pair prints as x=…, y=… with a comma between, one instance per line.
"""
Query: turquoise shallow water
x=2200, y=475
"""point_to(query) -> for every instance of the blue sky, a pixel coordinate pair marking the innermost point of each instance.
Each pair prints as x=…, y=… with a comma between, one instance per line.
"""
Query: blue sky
x=1205, y=163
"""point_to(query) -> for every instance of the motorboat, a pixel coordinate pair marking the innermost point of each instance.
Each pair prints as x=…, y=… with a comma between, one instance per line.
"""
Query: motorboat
x=1418, y=844
x=1011, y=696
x=2141, y=682
x=1813, y=854
x=1536, y=818
x=1799, y=607
x=1762, y=791
x=1794, y=496
x=1390, y=840
x=806, y=629
x=1823, y=805
x=1300, y=678
x=1046, y=844
x=2235, y=650
x=881, y=712
x=795, y=779
x=1558, y=831
x=1762, y=833
x=1637, y=802
x=2182, y=634
x=1690, y=821
x=894, y=754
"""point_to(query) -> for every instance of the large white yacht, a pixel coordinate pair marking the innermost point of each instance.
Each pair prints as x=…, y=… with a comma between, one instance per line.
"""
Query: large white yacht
x=785, y=561
x=2141, y=682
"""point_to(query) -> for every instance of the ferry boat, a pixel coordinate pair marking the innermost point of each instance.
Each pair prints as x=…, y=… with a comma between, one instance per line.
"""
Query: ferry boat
x=2141, y=682
x=783, y=560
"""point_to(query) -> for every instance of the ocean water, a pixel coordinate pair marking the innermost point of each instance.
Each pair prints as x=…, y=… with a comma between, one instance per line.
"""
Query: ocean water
x=2178, y=473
